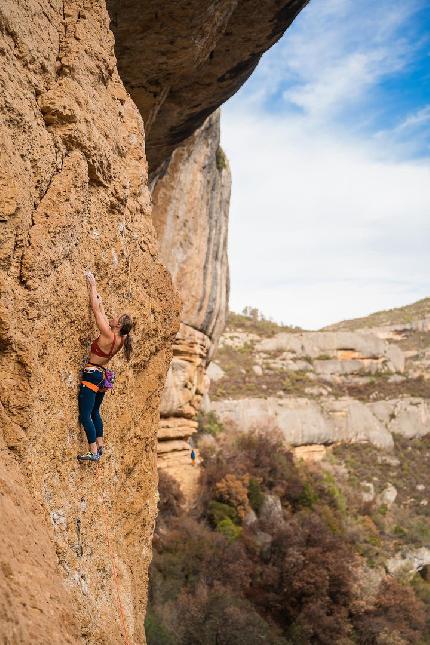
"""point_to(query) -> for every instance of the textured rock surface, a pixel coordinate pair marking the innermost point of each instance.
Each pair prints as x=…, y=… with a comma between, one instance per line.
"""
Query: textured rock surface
x=341, y=352
x=181, y=61
x=190, y=214
x=408, y=562
x=329, y=420
x=33, y=600
x=74, y=197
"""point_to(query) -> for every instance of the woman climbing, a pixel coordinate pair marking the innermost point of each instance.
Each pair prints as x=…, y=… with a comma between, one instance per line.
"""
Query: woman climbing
x=114, y=334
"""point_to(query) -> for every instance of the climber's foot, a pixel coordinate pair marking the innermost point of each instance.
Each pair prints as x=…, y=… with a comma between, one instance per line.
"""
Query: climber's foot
x=89, y=456
x=100, y=450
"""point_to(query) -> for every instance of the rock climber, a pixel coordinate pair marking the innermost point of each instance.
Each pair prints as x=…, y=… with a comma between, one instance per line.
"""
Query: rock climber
x=96, y=379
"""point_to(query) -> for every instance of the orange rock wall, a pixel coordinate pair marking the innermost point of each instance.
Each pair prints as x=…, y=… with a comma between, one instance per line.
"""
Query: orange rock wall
x=73, y=196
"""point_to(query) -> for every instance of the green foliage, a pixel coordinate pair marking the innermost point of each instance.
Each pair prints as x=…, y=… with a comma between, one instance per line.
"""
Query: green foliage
x=213, y=580
x=295, y=381
x=422, y=588
x=334, y=490
x=330, y=518
x=217, y=616
x=209, y=424
x=221, y=159
x=383, y=509
x=230, y=530
x=155, y=630
x=255, y=494
x=309, y=497
x=415, y=311
x=399, y=531
x=418, y=531
x=252, y=320
x=218, y=511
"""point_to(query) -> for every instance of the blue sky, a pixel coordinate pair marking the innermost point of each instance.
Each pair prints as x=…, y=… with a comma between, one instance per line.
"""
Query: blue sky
x=329, y=144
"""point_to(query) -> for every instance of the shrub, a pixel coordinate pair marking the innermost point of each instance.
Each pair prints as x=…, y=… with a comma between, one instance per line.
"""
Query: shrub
x=171, y=498
x=233, y=490
x=188, y=553
x=255, y=494
x=217, y=511
x=230, y=530
x=208, y=423
x=396, y=610
x=221, y=159
x=155, y=630
x=309, y=496
x=216, y=615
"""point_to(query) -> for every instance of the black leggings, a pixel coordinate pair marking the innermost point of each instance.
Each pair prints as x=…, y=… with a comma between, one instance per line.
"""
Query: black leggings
x=89, y=405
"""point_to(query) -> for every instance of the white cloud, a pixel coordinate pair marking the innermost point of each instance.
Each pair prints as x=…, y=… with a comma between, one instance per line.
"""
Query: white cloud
x=327, y=223
x=320, y=230
x=338, y=53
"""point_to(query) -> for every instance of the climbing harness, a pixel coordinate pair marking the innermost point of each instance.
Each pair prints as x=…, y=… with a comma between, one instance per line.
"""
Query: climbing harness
x=119, y=605
x=105, y=384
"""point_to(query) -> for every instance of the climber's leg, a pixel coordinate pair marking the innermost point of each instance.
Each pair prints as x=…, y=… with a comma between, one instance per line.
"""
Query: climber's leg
x=98, y=421
x=87, y=398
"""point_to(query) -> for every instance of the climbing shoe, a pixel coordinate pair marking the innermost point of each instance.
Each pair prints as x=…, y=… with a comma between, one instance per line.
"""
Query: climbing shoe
x=100, y=450
x=89, y=456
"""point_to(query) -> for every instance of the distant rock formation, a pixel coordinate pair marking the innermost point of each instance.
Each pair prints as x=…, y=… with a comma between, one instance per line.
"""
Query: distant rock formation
x=321, y=388
x=190, y=214
x=327, y=421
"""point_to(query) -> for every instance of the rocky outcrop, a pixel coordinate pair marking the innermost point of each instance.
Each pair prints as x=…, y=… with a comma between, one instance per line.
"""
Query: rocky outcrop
x=406, y=563
x=74, y=196
x=336, y=352
x=303, y=421
x=181, y=61
x=190, y=214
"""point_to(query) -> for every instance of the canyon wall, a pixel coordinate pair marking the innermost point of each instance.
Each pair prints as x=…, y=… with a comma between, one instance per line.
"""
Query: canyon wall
x=321, y=388
x=190, y=213
x=74, y=196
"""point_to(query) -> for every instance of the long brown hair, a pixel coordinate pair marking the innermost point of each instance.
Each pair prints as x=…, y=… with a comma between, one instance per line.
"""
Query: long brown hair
x=126, y=327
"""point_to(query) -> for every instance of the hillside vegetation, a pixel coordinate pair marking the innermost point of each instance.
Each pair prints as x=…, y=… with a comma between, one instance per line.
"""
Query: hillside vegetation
x=281, y=548
x=398, y=315
x=281, y=553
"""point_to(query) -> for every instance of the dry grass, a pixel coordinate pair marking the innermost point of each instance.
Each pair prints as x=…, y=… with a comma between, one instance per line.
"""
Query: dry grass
x=255, y=325
x=379, y=388
x=399, y=315
x=407, y=522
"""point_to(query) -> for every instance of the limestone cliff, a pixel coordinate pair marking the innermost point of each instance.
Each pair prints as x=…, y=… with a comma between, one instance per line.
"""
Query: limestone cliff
x=180, y=61
x=190, y=213
x=364, y=384
x=74, y=196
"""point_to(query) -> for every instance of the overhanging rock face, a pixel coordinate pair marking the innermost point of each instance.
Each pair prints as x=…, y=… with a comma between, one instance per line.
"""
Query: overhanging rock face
x=181, y=60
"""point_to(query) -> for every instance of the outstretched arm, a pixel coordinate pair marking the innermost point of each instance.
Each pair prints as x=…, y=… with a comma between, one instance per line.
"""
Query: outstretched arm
x=97, y=306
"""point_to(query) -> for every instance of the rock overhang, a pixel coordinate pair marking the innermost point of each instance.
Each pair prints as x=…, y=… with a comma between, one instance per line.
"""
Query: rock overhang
x=180, y=62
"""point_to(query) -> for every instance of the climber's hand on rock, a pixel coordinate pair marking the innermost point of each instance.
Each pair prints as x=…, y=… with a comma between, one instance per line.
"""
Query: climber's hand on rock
x=90, y=278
